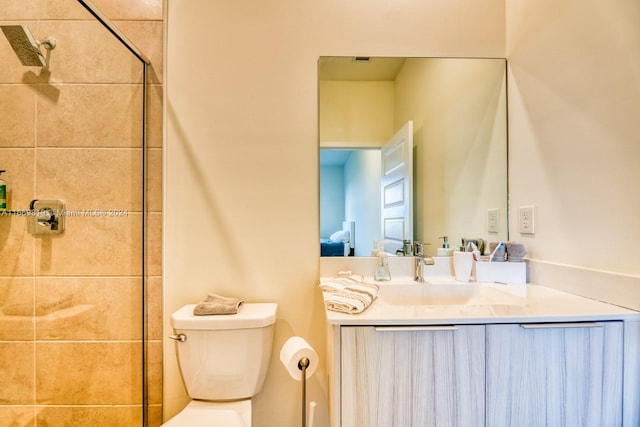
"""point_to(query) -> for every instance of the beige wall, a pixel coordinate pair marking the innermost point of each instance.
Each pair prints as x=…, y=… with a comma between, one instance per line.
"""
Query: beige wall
x=241, y=206
x=233, y=112
x=74, y=131
x=574, y=103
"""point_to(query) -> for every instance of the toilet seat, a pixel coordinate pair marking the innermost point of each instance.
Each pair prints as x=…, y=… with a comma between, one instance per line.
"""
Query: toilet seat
x=207, y=414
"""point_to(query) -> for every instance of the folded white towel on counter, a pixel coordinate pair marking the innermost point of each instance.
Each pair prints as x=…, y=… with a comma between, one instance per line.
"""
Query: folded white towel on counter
x=348, y=294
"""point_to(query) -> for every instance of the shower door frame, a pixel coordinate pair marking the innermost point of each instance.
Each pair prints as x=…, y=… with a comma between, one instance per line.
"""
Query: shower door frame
x=145, y=63
x=142, y=252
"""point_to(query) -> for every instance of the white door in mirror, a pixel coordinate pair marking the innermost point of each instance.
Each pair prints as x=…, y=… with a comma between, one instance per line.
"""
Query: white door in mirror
x=397, y=188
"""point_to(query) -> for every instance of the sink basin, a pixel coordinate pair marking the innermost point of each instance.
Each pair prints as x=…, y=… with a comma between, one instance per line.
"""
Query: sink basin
x=424, y=294
x=450, y=294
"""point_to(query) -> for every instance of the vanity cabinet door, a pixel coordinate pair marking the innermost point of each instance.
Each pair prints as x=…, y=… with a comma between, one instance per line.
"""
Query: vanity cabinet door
x=554, y=374
x=413, y=376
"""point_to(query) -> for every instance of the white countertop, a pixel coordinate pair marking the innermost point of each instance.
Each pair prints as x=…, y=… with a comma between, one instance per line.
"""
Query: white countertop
x=405, y=302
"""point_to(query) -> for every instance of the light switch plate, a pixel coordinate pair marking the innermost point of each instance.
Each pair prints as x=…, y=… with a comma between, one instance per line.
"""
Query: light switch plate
x=526, y=219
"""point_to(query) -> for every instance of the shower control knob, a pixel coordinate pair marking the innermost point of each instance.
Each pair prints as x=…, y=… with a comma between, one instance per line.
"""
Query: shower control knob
x=45, y=215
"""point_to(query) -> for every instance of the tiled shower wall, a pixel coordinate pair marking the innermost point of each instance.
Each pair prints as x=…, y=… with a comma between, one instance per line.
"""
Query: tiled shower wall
x=71, y=306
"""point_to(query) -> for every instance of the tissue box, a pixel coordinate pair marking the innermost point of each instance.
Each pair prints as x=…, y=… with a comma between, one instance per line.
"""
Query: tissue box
x=505, y=272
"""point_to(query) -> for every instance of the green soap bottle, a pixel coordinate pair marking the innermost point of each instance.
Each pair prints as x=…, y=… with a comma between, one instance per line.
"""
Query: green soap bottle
x=3, y=193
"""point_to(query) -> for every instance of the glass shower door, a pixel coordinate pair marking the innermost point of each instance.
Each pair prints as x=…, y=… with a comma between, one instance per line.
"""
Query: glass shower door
x=72, y=340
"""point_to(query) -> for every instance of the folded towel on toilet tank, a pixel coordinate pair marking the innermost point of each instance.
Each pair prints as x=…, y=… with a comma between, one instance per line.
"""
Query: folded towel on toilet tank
x=348, y=294
x=216, y=304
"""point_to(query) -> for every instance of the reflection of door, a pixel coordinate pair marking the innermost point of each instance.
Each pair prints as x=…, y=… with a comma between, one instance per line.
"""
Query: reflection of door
x=396, y=188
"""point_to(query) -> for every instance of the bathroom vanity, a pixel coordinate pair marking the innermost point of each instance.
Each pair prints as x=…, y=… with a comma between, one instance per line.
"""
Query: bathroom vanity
x=483, y=355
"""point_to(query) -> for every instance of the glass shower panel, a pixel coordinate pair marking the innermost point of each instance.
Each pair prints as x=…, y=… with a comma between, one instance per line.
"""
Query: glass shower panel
x=72, y=305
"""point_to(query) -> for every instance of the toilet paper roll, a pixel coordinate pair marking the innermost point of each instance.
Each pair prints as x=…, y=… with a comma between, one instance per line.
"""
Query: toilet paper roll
x=292, y=352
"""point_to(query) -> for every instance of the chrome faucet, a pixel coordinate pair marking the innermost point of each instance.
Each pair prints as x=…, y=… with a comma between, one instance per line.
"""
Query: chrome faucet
x=420, y=261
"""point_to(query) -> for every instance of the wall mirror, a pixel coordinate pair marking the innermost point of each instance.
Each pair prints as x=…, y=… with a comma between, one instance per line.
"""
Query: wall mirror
x=457, y=107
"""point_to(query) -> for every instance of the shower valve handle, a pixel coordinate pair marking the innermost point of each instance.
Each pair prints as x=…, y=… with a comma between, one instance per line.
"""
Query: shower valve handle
x=46, y=217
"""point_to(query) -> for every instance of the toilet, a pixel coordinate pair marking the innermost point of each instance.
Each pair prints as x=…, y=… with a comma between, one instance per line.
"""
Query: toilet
x=223, y=361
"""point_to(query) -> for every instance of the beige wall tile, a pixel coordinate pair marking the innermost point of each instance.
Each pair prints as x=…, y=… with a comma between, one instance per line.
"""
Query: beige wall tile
x=16, y=247
x=144, y=10
x=125, y=9
x=155, y=415
x=154, y=180
x=154, y=371
x=19, y=9
x=154, y=244
x=19, y=176
x=154, y=116
x=67, y=116
x=16, y=309
x=87, y=416
x=87, y=52
x=18, y=416
x=16, y=371
x=92, y=178
x=17, y=117
x=63, y=9
x=89, y=308
x=108, y=374
x=154, y=308
x=93, y=246
x=11, y=70
x=90, y=116
x=146, y=36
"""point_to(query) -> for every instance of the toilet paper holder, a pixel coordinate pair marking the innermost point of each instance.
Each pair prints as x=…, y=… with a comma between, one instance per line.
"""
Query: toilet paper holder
x=297, y=348
x=303, y=364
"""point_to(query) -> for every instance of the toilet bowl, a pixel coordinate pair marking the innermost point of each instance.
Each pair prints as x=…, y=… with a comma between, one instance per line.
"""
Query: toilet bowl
x=206, y=414
x=223, y=362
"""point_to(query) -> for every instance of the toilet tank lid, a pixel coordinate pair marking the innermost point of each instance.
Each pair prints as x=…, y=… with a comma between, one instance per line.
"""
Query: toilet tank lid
x=250, y=315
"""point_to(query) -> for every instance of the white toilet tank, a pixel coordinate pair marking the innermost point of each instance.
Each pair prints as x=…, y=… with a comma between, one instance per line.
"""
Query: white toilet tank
x=225, y=357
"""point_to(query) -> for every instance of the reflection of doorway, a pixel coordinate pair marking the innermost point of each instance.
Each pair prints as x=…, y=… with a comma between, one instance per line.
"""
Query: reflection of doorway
x=397, y=189
x=372, y=187
x=350, y=190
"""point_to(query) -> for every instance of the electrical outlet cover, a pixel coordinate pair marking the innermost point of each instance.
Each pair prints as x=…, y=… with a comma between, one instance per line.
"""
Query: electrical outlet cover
x=492, y=221
x=526, y=219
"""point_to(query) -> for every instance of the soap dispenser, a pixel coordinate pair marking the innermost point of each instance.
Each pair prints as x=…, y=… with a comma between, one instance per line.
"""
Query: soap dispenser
x=445, y=250
x=382, y=265
x=374, y=251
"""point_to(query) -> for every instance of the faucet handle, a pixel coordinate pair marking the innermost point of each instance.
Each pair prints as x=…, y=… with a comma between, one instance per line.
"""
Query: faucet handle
x=418, y=249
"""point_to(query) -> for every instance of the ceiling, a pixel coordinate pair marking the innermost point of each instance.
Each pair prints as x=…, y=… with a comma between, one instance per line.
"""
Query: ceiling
x=334, y=157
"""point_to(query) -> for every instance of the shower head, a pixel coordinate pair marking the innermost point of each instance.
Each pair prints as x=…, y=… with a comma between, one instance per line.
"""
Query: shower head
x=26, y=46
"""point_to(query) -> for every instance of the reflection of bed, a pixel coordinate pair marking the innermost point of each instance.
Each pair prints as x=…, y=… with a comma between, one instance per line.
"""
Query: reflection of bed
x=340, y=243
x=329, y=248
